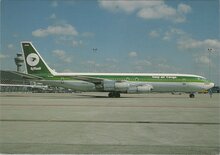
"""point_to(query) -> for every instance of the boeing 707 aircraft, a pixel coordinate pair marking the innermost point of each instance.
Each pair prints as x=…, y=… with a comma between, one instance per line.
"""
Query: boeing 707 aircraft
x=114, y=83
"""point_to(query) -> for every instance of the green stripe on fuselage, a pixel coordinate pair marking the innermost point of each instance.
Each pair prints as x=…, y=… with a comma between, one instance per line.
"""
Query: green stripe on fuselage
x=134, y=78
x=153, y=78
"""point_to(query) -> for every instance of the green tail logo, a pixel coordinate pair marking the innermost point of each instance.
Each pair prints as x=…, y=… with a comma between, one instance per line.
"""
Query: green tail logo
x=34, y=62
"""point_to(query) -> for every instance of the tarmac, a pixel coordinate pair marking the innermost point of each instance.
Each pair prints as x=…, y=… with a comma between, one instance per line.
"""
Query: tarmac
x=82, y=123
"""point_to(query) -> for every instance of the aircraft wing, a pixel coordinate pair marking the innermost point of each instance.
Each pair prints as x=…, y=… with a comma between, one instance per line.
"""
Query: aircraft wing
x=26, y=76
x=91, y=79
x=94, y=80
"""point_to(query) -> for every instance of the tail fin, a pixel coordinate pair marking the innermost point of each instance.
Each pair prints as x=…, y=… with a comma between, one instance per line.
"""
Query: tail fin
x=34, y=63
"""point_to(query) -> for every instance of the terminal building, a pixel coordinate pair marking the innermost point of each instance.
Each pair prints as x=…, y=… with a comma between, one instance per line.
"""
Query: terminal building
x=12, y=82
x=8, y=78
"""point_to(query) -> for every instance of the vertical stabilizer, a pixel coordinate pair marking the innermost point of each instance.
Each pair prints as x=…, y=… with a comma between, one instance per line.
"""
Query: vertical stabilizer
x=34, y=63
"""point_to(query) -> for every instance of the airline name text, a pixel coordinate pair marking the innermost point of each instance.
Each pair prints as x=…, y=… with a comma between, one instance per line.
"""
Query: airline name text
x=164, y=77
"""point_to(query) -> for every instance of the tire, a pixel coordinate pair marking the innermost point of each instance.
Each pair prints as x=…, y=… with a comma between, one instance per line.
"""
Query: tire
x=114, y=95
x=191, y=95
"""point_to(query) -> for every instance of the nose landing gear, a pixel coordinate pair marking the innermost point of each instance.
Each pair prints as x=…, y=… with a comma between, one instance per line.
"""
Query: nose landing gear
x=210, y=93
x=192, y=95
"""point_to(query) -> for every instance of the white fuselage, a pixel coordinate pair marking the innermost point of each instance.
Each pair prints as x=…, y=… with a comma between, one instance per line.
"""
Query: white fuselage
x=157, y=86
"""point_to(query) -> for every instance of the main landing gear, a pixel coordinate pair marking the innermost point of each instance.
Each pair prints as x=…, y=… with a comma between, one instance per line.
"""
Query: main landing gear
x=114, y=95
x=192, y=95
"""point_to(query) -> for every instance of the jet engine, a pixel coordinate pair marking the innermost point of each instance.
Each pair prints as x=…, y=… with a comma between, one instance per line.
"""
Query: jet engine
x=110, y=85
x=140, y=89
x=126, y=87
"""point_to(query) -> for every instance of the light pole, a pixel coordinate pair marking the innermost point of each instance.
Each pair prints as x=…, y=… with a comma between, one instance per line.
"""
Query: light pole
x=209, y=51
x=94, y=51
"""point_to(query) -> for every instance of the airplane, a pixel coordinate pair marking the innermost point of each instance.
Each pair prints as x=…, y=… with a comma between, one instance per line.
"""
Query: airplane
x=114, y=83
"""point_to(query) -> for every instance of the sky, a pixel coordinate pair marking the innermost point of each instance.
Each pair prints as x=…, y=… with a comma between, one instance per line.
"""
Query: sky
x=139, y=36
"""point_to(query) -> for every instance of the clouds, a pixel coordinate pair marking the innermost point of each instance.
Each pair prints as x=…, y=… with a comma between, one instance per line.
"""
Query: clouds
x=185, y=43
x=183, y=8
x=109, y=65
x=54, y=4
x=198, y=44
x=65, y=29
x=76, y=43
x=145, y=63
x=61, y=55
x=142, y=65
x=127, y=6
x=132, y=54
x=53, y=16
x=200, y=50
x=148, y=10
x=10, y=46
x=154, y=34
x=174, y=33
x=184, y=40
x=156, y=64
x=202, y=59
x=2, y=56
x=63, y=34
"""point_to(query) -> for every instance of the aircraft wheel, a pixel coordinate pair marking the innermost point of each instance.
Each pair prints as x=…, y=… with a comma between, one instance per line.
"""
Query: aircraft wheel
x=110, y=94
x=191, y=95
x=114, y=95
x=117, y=94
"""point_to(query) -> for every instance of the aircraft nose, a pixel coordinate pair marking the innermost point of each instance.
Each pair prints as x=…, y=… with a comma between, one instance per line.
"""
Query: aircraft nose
x=210, y=85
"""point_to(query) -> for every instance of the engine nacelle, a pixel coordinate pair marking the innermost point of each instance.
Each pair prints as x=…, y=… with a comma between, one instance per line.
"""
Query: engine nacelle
x=125, y=87
x=109, y=85
x=140, y=89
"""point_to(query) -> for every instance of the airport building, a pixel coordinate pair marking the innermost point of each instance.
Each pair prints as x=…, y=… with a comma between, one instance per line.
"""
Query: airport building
x=11, y=82
x=9, y=78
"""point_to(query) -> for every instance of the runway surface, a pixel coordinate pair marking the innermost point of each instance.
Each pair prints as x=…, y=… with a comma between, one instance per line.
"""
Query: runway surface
x=92, y=123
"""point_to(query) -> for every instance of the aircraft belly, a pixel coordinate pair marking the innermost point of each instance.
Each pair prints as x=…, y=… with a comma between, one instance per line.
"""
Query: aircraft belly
x=175, y=87
x=157, y=86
